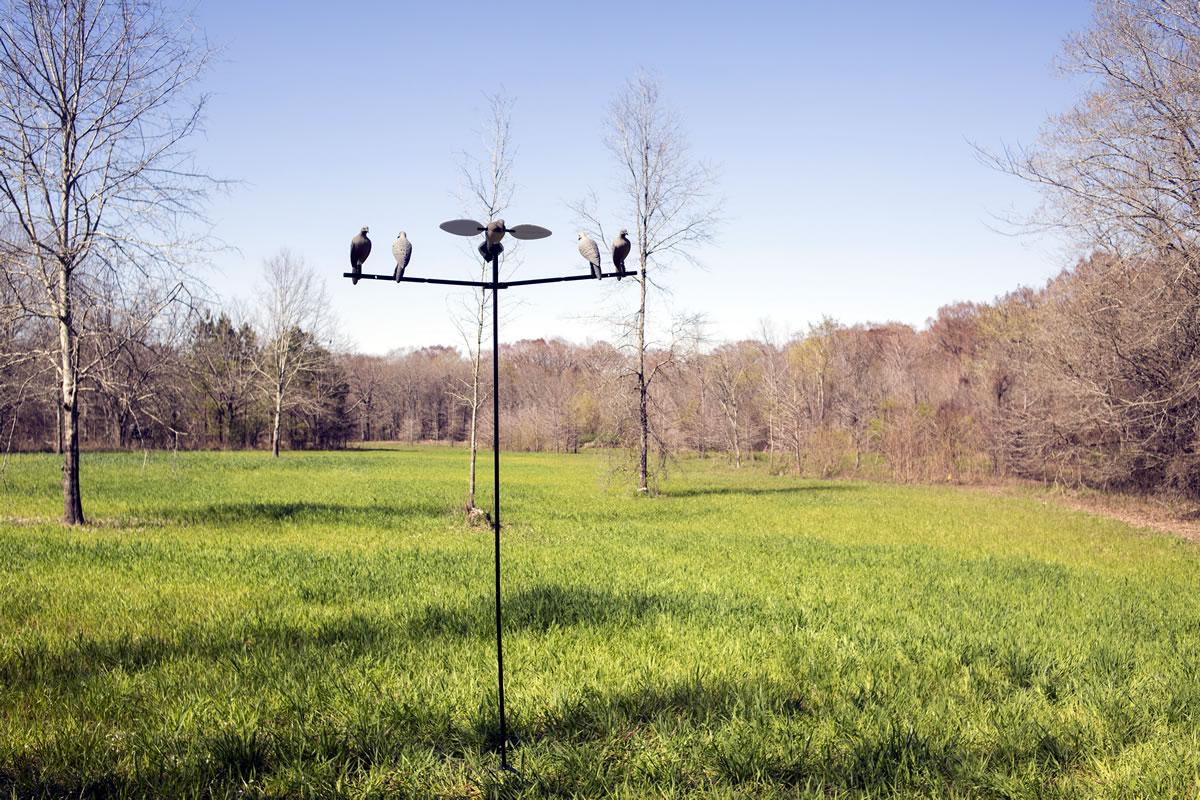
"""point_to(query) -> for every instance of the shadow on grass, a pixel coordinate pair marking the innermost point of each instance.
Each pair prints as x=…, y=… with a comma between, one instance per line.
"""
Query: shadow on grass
x=37, y=663
x=319, y=513
x=542, y=608
x=704, y=491
x=694, y=699
x=877, y=758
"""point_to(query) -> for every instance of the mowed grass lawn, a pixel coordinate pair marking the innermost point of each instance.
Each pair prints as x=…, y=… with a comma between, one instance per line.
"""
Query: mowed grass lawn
x=321, y=625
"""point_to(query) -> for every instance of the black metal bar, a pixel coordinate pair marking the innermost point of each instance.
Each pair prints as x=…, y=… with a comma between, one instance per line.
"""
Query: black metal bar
x=406, y=279
x=532, y=281
x=487, y=284
x=496, y=498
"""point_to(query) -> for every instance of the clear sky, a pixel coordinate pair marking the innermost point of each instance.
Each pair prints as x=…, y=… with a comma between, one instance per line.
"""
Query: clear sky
x=841, y=131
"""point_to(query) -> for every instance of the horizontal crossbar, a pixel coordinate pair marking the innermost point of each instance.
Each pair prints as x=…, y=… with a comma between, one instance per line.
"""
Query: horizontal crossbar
x=366, y=276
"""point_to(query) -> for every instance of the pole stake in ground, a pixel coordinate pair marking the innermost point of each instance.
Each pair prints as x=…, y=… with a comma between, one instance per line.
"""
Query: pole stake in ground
x=490, y=249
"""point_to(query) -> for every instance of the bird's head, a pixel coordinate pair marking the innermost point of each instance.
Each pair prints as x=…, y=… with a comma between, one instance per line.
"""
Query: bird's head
x=624, y=232
x=500, y=224
x=401, y=235
x=365, y=229
x=581, y=236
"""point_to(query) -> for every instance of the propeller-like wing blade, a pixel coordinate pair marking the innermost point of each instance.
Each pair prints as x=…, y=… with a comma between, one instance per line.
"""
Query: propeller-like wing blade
x=462, y=227
x=528, y=232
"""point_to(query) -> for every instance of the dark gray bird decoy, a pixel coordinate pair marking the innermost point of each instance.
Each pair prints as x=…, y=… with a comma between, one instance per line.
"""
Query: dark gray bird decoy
x=402, y=251
x=620, y=251
x=360, y=248
x=589, y=250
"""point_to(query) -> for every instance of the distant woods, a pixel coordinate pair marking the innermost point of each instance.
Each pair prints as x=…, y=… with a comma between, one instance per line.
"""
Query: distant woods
x=1060, y=384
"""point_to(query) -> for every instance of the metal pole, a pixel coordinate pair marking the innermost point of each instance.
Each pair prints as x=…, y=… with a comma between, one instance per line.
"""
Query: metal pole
x=495, y=285
x=496, y=496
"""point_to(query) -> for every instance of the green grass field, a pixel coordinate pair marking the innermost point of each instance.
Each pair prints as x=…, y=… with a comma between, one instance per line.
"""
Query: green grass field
x=321, y=626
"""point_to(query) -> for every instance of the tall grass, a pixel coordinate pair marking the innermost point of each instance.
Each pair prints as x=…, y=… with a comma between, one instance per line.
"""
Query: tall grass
x=320, y=626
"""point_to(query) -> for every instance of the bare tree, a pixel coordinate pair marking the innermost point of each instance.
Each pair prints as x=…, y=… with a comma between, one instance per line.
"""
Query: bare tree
x=809, y=359
x=365, y=374
x=1120, y=172
x=221, y=368
x=294, y=330
x=1120, y=168
x=774, y=385
x=487, y=190
x=128, y=384
x=669, y=197
x=94, y=174
x=729, y=379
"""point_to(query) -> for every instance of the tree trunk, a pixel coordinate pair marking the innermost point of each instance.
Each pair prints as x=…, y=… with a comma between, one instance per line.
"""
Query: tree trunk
x=731, y=416
x=644, y=427
x=475, y=372
x=58, y=424
x=474, y=454
x=275, y=426
x=474, y=434
x=227, y=423
x=770, y=436
x=114, y=428
x=737, y=441
x=368, y=404
x=72, y=499
x=797, y=432
x=643, y=393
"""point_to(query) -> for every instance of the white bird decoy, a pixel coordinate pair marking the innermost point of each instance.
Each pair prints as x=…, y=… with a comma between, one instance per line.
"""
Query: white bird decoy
x=402, y=251
x=590, y=252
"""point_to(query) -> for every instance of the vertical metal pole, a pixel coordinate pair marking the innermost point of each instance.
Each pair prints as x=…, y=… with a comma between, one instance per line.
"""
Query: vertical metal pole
x=496, y=496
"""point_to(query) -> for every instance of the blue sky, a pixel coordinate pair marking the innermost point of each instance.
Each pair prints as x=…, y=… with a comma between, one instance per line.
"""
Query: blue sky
x=841, y=132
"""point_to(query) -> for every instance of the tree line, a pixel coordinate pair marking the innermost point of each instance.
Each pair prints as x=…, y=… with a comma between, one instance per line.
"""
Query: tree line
x=211, y=384
x=1061, y=384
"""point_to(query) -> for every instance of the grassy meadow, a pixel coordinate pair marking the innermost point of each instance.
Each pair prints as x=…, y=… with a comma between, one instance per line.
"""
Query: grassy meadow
x=321, y=626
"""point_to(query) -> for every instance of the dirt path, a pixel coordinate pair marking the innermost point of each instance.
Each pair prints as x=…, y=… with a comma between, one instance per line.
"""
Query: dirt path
x=1147, y=513
x=1165, y=515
